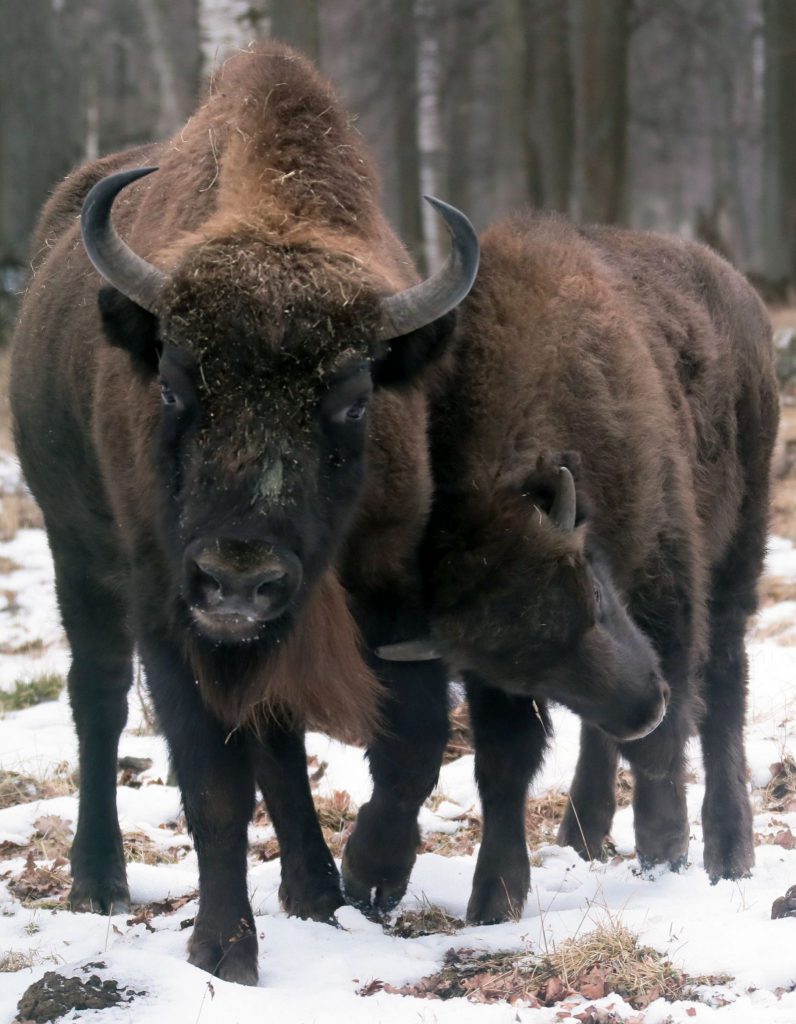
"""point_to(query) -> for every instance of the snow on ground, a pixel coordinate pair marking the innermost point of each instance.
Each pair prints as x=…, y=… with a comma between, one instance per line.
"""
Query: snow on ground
x=311, y=972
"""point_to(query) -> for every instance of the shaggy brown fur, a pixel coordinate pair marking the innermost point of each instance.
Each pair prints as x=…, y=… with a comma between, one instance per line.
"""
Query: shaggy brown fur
x=652, y=360
x=264, y=218
x=644, y=364
x=267, y=196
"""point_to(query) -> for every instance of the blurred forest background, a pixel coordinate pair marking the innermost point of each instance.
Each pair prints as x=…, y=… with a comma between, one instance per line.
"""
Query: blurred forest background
x=677, y=115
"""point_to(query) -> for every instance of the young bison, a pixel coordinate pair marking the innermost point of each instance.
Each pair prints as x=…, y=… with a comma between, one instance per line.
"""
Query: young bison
x=643, y=366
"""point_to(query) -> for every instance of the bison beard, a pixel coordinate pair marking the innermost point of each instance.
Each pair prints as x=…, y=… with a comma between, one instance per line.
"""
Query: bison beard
x=645, y=365
x=230, y=425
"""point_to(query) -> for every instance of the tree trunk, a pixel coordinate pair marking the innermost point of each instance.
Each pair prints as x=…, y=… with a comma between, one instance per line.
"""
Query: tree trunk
x=296, y=22
x=779, y=144
x=600, y=37
x=513, y=158
x=552, y=132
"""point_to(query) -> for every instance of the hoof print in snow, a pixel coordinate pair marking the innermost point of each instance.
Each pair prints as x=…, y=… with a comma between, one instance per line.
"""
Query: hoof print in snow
x=55, y=995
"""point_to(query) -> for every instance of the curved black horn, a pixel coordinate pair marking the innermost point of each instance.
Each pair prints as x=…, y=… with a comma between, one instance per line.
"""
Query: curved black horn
x=117, y=263
x=437, y=295
x=565, y=502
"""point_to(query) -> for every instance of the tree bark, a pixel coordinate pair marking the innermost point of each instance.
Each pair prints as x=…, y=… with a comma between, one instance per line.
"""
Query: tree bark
x=600, y=39
x=552, y=131
x=779, y=143
x=296, y=22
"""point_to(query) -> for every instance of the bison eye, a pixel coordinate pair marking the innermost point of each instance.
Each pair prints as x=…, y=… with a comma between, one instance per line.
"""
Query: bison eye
x=357, y=410
x=598, y=594
x=351, y=413
x=167, y=396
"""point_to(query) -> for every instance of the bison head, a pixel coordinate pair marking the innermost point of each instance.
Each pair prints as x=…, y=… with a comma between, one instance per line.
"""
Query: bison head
x=522, y=596
x=263, y=359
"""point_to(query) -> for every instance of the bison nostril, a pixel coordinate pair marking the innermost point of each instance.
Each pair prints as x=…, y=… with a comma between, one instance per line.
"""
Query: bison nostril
x=210, y=586
x=269, y=579
x=665, y=691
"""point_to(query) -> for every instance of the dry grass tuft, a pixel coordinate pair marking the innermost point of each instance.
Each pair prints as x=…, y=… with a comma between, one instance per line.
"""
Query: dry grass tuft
x=607, y=960
x=610, y=959
x=20, y=960
x=140, y=849
x=780, y=793
x=460, y=740
x=543, y=815
x=16, y=788
x=428, y=919
x=337, y=814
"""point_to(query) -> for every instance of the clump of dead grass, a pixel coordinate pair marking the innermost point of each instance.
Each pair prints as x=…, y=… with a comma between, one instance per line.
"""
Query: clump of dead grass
x=428, y=919
x=140, y=849
x=336, y=814
x=19, y=788
x=609, y=959
x=20, y=960
x=29, y=692
x=460, y=740
x=543, y=815
x=780, y=793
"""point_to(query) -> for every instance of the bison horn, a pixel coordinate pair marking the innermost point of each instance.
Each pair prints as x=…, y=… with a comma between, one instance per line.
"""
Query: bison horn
x=564, y=504
x=111, y=257
x=426, y=302
x=408, y=650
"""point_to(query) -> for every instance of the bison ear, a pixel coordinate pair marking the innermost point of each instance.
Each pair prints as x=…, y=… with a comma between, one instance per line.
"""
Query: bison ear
x=402, y=359
x=129, y=327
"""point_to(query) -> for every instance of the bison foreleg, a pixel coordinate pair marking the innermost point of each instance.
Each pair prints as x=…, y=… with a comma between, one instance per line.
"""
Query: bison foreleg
x=510, y=736
x=404, y=762
x=660, y=815
x=216, y=778
x=592, y=796
x=310, y=881
x=100, y=676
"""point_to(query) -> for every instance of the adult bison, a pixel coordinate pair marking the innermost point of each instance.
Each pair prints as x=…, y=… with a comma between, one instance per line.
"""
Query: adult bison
x=213, y=444
x=642, y=365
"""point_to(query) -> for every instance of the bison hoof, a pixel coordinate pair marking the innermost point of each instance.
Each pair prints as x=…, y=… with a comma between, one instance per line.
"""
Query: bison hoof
x=729, y=840
x=734, y=861
x=311, y=906
x=90, y=896
x=235, y=960
x=378, y=860
x=371, y=890
x=588, y=843
x=500, y=885
x=676, y=865
x=496, y=901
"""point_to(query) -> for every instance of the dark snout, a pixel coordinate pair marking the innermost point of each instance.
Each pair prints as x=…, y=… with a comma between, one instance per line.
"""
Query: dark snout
x=637, y=711
x=233, y=587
